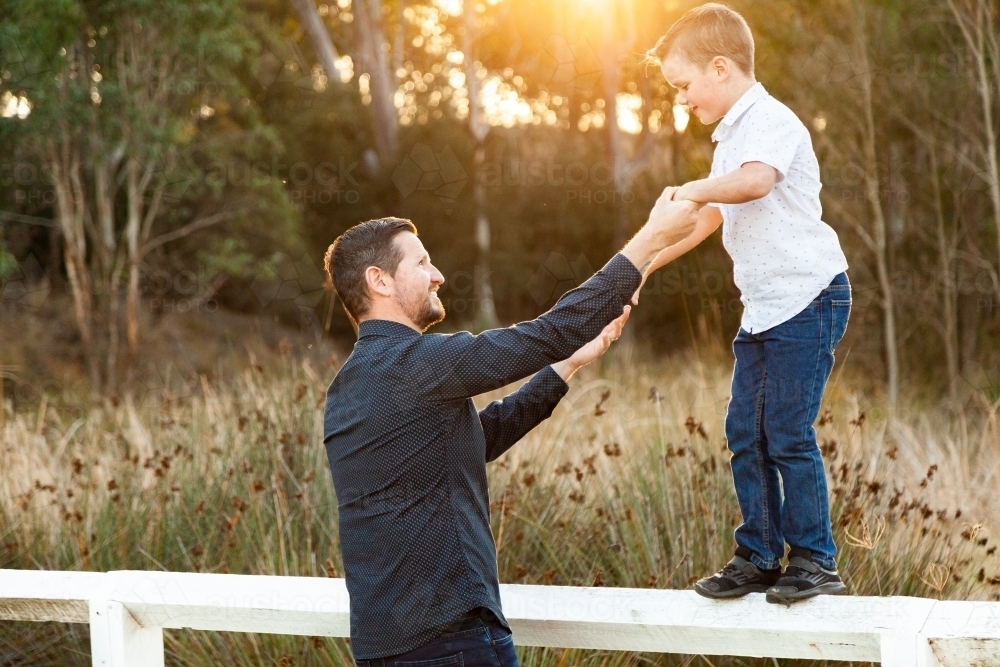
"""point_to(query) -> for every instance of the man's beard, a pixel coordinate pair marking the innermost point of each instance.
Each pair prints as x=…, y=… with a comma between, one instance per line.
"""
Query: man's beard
x=428, y=313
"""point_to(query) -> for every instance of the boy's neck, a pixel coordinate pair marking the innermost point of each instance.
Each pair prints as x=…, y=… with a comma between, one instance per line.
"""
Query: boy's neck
x=737, y=88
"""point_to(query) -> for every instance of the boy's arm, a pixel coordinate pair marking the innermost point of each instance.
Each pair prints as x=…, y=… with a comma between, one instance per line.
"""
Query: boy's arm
x=709, y=220
x=751, y=181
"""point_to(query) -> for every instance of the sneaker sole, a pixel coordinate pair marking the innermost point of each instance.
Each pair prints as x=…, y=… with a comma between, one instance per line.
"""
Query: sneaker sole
x=788, y=595
x=733, y=593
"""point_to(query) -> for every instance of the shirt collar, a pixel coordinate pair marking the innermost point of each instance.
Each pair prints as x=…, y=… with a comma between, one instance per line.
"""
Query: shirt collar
x=747, y=100
x=385, y=328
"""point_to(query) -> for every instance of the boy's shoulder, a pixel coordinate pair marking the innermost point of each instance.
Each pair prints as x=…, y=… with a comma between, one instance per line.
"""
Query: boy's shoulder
x=772, y=112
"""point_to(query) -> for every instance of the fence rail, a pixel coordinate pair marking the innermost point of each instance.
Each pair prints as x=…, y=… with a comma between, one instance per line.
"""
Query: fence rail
x=128, y=610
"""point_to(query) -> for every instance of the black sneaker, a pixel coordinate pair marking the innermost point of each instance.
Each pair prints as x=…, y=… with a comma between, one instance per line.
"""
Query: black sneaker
x=737, y=579
x=804, y=579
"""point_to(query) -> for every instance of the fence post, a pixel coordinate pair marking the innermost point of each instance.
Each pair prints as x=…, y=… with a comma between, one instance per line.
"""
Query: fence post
x=116, y=640
x=903, y=645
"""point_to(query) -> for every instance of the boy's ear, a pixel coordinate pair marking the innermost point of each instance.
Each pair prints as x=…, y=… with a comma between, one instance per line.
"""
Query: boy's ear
x=720, y=67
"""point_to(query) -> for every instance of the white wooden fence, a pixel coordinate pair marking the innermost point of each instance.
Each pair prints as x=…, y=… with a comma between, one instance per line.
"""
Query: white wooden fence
x=128, y=610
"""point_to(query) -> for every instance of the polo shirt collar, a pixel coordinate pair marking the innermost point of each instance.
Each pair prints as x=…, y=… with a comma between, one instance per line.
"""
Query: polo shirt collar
x=747, y=100
x=385, y=328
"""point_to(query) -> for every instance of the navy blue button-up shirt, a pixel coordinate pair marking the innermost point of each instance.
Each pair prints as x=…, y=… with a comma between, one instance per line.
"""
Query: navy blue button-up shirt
x=408, y=453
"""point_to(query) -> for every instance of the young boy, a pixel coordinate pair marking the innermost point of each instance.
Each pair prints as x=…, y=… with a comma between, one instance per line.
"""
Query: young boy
x=764, y=191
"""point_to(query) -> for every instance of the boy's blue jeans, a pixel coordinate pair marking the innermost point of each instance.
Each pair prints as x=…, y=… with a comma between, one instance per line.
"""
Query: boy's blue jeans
x=778, y=384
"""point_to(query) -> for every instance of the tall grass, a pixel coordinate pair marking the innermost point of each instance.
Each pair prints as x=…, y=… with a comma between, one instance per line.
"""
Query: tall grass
x=627, y=484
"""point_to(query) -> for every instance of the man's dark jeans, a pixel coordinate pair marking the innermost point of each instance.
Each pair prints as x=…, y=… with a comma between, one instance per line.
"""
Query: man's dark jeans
x=778, y=384
x=477, y=642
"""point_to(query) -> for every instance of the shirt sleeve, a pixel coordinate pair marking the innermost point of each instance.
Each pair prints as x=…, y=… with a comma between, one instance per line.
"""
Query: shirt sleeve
x=772, y=138
x=445, y=367
x=508, y=420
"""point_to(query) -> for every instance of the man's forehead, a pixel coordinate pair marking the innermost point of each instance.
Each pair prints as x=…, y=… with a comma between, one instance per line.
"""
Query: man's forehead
x=410, y=244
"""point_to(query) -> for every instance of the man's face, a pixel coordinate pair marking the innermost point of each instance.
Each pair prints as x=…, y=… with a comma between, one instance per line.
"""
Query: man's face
x=701, y=89
x=417, y=282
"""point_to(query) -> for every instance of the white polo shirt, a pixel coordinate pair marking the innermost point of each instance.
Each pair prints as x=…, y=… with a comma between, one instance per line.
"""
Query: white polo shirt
x=783, y=254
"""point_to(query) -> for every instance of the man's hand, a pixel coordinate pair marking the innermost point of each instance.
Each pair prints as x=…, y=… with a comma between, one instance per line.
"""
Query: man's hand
x=594, y=348
x=669, y=222
x=709, y=219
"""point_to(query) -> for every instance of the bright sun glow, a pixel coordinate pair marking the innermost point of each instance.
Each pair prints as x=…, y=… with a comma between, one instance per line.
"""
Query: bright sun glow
x=14, y=106
x=627, y=108
x=681, y=118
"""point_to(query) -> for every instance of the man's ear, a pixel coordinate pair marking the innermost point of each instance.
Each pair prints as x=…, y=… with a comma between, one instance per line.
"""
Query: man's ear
x=379, y=281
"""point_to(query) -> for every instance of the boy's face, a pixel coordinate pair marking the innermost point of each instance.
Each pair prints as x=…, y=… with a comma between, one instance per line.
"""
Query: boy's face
x=703, y=90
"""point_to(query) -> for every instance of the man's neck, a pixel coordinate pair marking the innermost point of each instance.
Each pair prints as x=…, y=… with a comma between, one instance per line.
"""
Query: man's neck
x=391, y=316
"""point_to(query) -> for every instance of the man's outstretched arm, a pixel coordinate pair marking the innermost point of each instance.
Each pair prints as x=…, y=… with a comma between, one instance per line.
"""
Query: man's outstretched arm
x=461, y=365
x=508, y=420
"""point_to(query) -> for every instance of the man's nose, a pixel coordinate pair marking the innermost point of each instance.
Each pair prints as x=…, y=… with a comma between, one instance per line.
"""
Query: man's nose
x=436, y=277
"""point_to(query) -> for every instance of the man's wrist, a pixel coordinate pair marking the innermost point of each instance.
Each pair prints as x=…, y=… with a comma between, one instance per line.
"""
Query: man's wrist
x=565, y=369
x=642, y=249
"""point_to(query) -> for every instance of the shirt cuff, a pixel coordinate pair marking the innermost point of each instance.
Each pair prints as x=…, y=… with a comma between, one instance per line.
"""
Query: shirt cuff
x=625, y=276
x=549, y=385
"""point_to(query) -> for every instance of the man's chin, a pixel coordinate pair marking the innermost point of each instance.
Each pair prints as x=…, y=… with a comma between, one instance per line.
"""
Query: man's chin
x=431, y=314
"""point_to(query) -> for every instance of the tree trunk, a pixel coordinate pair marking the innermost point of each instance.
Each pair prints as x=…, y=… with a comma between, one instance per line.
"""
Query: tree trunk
x=319, y=36
x=975, y=22
x=479, y=128
x=949, y=302
x=874, y=197
x=64, y=165
x=376, y=64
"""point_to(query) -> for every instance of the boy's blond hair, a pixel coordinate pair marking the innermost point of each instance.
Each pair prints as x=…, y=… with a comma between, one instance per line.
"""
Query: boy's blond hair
x=705, y=32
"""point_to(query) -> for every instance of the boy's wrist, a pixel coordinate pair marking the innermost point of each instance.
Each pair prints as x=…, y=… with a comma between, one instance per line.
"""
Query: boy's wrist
x=693, y=190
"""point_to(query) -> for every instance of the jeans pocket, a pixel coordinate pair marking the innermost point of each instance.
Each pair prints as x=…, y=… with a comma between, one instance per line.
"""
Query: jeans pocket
x=841, y=314
x=455, y=660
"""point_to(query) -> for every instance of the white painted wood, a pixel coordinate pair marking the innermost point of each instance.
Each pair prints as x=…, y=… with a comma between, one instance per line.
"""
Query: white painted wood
x=684, y=622
x=963, y=633
x=901, y=645
x=238, y=603
x=128, y=611
x=45, y=595
x=116, y=639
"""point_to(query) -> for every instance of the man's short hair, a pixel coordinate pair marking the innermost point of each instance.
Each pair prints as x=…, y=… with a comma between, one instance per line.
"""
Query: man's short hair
x=705, y=32
x=369, y=243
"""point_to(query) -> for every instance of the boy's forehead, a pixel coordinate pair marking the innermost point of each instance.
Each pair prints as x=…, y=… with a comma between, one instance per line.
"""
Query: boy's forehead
x=676, y=67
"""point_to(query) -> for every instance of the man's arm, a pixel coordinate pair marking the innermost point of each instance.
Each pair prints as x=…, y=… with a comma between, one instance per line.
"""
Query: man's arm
x=751, y=181
x=456, y=366
x=708, y=221
x=508, y=420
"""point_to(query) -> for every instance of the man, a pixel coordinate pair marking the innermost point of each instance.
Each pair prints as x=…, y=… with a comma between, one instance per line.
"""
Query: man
x=408, y=450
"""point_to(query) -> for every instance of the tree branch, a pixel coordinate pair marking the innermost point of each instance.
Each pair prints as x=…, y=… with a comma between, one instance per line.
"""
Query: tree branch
x=190, y=228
